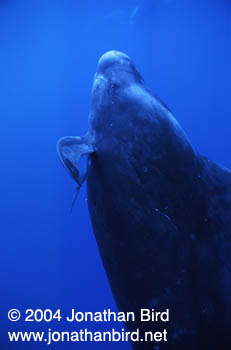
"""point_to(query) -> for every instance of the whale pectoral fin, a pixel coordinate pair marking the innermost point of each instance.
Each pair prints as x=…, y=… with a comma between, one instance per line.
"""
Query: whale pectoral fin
x=70, y=149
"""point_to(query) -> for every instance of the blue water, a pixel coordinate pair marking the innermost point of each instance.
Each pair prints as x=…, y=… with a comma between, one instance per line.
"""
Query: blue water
x=48, y=56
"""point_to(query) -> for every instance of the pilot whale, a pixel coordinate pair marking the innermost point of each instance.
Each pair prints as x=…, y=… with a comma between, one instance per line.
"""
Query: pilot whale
x=161, y=212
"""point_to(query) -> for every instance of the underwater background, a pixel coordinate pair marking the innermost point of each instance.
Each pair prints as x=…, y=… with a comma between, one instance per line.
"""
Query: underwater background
x=48, y=56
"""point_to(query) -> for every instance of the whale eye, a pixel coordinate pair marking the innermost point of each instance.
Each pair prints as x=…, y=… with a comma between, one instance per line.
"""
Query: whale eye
x=114, y=86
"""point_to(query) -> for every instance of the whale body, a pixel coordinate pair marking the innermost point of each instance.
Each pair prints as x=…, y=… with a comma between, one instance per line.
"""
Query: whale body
x=161, y=212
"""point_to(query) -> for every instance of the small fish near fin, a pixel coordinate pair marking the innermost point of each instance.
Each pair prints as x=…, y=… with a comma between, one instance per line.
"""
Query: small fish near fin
x=70, y=149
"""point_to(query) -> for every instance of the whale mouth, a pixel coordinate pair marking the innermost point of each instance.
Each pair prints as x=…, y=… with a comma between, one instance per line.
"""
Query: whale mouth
x=99, y=77
x=99, y=80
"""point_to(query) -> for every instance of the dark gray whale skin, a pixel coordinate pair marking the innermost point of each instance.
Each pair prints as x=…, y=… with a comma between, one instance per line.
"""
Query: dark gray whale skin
x=161, y=213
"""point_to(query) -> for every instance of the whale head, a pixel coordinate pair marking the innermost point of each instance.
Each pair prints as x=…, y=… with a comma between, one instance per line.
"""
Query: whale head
x=116, y=73
x=115, y=70
x=115, y=64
